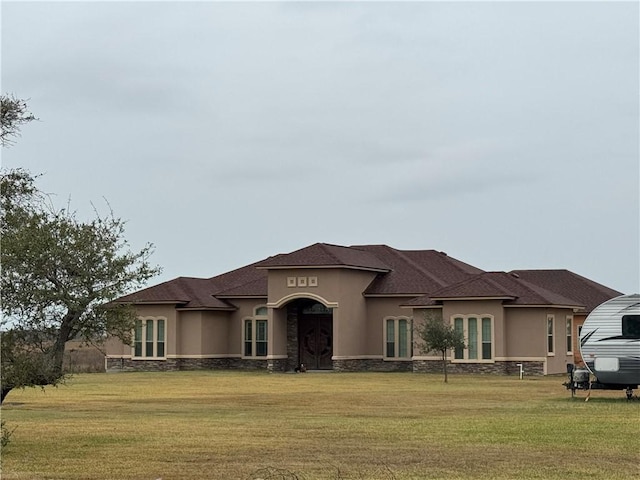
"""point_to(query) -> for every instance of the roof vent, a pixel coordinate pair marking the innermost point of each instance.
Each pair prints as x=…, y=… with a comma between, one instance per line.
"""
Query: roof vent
x=514, y=274
x=444, y=253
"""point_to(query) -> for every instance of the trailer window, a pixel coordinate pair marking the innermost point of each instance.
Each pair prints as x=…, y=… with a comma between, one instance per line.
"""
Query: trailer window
x=631, y=326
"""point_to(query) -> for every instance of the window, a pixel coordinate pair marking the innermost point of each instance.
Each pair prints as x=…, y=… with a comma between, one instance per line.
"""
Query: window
x=569, y=334
x=486, y=338
x=478, y=334
x=550, y=321
x=631, y=326
x=398, y=337
x=149, y=338
x=255, y=334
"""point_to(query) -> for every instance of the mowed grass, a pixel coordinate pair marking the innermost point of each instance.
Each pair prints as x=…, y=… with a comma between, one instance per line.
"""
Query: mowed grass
x=229, y=425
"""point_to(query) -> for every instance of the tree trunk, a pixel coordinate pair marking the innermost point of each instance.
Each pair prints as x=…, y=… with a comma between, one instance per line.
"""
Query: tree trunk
x=64, y=335
x=444, y=365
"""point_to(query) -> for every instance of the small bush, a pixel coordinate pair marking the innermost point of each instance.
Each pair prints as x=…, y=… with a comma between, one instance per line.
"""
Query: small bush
x=6, y=434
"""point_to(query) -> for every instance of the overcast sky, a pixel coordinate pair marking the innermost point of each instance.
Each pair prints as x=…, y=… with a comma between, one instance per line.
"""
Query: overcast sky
x=505, y=134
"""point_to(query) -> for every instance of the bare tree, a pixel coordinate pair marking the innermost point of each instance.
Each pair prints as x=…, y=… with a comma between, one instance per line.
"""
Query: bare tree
x=13, y=114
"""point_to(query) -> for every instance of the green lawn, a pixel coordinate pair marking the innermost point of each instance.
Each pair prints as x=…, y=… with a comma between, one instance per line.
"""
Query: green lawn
x=229, y=425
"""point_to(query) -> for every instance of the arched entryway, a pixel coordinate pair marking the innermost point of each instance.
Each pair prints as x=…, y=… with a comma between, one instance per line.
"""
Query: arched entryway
x=313, y=339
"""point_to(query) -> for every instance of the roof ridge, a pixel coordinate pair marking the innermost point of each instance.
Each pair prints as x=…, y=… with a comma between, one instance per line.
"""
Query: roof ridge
x=499, y=286
x=542, y=291
x=402, y=254
x=326, y=249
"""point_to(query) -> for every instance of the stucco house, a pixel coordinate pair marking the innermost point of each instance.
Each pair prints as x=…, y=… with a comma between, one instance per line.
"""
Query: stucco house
x=354, y=308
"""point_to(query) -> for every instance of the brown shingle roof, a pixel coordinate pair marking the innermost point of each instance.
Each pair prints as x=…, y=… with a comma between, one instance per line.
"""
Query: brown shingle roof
x=326, y=255
x=512, y=289
x=415, y=271
x=571, y=285
x=183, y=291
x=200, y=292
x=427, y=274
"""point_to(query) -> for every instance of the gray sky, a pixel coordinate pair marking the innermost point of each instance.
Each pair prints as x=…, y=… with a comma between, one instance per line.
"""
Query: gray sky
x=505, y=134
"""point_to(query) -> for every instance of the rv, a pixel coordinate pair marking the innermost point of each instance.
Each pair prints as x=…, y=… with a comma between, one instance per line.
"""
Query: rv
x=610, y=344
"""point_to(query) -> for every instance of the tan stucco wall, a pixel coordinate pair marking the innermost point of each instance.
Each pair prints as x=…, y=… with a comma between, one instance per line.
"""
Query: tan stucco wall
x=115, y=347
x=378, y=309
x=527, y=336
x=343, y=287
x=203, y=333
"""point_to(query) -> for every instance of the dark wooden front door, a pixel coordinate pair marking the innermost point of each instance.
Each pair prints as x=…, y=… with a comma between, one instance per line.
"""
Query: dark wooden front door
x=316, y=342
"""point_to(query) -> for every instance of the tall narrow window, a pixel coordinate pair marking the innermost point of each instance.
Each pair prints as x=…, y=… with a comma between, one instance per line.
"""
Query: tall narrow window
x=391, y=343
x=248, y=338
x=160, y=339
x=569, y=334
x=458, y=325
x=550, y=334
x=402, y=337
x=261, y=338
x=255, y=335
x=486, y=338
x=148, y=344
x=473, y=338
x=397, y=337
x=137, y=339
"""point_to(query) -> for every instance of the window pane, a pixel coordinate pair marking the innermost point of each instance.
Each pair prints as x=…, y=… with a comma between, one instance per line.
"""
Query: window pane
x=261, y=312
x=391, y=345
x=160, y=338
x=148, y=351
x=261, y=338
x=550, y=335
x=248, y=338
x=486, y=338
x=458, y=325
x=402, y=338
x=569, y=336
x=137, y=339
x=631, y=326
x=261, y=330
x=473, y=338
x=160, y=324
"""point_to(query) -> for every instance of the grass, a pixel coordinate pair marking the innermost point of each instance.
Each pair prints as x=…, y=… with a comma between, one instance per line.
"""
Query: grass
x=229, y=425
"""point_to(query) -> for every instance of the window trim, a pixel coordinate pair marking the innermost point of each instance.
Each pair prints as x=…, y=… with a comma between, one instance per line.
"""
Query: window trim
x=258, y=318
x=550, y=326
x=569, y=334
x=396, y=343
x=144, y=330
x=480, y=341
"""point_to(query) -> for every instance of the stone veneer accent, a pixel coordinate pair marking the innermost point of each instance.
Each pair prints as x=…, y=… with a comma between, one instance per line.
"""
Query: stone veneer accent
x=352, y=365
x=370, y=365
x=292, y=339
x=496, y=368
x=172, y=364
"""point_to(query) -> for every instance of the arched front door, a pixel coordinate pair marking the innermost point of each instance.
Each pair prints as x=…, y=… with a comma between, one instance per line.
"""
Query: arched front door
x=315, y=336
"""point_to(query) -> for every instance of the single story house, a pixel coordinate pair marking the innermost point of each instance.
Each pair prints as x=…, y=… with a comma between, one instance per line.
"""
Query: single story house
x=355, y=308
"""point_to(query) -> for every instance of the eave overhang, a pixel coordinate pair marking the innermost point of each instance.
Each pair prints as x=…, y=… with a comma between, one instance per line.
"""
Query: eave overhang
x=575, y=308
x=392, y=295
x=209, y=309
x=465, y=299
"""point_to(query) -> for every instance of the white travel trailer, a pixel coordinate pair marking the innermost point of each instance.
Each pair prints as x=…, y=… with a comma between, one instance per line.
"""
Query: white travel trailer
x=610, y=344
